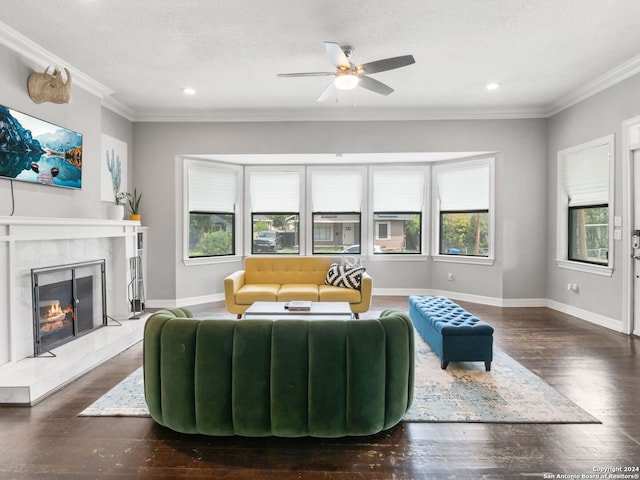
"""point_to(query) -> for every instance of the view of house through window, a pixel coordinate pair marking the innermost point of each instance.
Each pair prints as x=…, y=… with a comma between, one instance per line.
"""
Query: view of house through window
x=336, y=232
x=397, y=232
x=589, y=234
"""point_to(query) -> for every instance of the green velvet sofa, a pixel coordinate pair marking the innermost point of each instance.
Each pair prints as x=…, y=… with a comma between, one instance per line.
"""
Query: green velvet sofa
x=286, y=378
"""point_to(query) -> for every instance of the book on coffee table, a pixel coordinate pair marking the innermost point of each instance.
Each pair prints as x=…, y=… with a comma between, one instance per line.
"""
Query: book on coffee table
x=298, y=306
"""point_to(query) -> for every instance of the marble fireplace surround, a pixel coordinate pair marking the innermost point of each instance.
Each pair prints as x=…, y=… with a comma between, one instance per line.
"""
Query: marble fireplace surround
x=26, y=243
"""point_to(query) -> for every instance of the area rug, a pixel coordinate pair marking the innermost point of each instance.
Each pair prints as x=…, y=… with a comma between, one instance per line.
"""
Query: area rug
x=464, y=392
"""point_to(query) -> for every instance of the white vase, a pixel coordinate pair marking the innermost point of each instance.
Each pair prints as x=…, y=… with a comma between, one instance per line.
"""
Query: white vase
x=116, y=212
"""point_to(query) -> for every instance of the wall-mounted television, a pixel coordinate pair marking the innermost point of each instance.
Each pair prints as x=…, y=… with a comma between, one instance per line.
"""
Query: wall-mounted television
x=36, y=151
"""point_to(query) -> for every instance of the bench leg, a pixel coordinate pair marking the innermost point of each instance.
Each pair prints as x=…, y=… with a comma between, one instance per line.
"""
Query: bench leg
x=444, y=365
x=239, y=316
x=487, y=366
x=356, y=316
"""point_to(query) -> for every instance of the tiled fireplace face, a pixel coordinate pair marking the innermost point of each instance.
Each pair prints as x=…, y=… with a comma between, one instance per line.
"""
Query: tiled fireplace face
x=22, y=253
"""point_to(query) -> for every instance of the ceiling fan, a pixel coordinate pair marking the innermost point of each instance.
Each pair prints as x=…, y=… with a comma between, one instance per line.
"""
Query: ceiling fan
x=349, y=76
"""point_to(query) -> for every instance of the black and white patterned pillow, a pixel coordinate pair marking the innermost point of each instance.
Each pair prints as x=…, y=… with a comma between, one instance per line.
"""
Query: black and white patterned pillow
x=344, y=276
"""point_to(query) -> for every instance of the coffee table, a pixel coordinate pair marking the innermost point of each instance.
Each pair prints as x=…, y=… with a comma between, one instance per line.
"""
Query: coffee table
x=318, y=311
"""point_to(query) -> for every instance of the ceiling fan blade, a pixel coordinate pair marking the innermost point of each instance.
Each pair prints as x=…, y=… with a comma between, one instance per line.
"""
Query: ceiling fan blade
x=374, y=85
x=306, y=74
x=387, y=64
x=326, y=93
x=336, y=55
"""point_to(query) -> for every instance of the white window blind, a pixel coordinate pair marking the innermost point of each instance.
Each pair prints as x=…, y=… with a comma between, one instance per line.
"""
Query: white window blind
x=275, y=191
x=585, y=176
x=212, y=189
x=336, y=191
x=463, y=188
x=398, y=191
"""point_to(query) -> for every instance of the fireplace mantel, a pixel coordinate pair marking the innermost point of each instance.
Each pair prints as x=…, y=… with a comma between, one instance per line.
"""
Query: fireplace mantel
x=32, y=242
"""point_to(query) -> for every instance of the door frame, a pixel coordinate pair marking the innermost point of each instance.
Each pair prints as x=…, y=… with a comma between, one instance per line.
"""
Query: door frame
x=630, y=144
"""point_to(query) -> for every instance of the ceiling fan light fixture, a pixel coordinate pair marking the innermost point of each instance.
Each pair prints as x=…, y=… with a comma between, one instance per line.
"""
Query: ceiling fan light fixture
x=346, y=80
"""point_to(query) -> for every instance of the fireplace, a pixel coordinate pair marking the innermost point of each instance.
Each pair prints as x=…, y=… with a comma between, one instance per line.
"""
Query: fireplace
x=68, y=301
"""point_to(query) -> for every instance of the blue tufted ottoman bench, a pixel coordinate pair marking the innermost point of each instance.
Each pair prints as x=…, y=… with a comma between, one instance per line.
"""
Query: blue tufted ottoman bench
x=452, y=333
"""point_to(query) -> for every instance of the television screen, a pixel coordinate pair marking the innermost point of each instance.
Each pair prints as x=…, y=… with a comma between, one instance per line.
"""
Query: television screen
x=33, y=150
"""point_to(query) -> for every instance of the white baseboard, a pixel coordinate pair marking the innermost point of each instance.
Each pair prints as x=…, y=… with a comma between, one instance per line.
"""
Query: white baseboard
x=591, y=317
x=464, y=297
x=181, y=302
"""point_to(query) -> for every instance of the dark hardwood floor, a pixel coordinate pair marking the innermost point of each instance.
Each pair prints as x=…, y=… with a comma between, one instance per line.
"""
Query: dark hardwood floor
x=596, y=368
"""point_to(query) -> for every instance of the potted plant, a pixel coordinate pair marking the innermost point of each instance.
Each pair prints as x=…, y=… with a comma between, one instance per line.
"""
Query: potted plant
x=134, y=204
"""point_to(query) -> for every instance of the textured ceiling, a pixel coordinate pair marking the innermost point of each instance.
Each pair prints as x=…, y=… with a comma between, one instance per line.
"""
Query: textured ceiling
x=545, y=53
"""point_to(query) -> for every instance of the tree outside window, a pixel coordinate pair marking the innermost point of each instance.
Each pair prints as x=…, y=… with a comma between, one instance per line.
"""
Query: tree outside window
x=211, y=234
x=464, y=233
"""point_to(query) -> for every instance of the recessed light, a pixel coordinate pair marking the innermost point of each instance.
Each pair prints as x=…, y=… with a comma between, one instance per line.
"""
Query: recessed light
x=492, y=86
x=189, y=91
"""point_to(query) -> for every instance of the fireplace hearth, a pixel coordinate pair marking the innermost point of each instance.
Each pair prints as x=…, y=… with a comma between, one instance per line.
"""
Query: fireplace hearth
x=68, y=301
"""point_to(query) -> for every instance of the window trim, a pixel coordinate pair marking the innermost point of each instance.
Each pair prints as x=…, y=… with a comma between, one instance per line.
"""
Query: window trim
x=237, y=234
x=435, y=209
x=424, y=212
x=562, y=211
x=308, y=200
x=248, y=213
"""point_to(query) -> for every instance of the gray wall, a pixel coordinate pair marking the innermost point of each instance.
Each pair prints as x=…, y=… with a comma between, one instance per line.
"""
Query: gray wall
x=521, y=173
x=83, y=114
x=525, y=194
x=595, y=117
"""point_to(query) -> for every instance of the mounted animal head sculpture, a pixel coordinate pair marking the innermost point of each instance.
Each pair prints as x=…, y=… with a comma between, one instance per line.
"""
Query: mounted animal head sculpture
x=44, y=87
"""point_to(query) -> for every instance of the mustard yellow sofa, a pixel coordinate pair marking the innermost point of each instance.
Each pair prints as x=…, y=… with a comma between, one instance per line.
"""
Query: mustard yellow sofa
x=284, y=279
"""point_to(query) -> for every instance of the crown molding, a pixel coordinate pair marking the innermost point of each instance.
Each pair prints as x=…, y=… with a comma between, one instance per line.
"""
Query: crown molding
x=119, y=108
x=42, y=58
x=361, y=114
x=609, y=79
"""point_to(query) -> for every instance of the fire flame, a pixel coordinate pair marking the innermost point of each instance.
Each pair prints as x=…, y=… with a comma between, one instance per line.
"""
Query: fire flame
x=56, y=310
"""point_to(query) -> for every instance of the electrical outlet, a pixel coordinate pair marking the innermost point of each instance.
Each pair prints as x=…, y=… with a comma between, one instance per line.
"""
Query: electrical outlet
x=450, y=276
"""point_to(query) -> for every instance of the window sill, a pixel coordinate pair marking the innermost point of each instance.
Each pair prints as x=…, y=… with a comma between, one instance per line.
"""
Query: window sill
x=463, y=259
x=211, y=260
x=602, y=270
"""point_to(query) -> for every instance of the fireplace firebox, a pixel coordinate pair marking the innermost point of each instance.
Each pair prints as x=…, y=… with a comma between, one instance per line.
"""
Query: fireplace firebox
x=68, y=301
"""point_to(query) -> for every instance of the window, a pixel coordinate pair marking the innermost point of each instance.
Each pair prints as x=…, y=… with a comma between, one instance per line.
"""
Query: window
x=336, y=199
x=584, y=198
x=212, y=193
x=589, y=234
x=275, y=211
x=398, y=201
x=463, y=201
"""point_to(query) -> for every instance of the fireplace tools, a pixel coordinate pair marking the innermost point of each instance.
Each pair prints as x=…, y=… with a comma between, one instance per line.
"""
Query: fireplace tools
x=136, y=287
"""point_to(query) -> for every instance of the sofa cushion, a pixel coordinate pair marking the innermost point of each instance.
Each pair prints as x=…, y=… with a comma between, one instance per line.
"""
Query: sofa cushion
x=247, y=294
x=329, y=293
x=286, y=270
x=344, y=276
x=298, y=291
